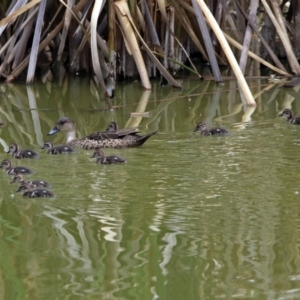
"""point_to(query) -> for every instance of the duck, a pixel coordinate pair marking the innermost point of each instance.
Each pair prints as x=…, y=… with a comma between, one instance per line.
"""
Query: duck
x=58, y=149
x=32, y=183
x=110, y=140
x=8, y=169
x=35, y=193
x=202, y=127
x=15, y=151
x=107, y=160
x=288, y=113
x=113, y=132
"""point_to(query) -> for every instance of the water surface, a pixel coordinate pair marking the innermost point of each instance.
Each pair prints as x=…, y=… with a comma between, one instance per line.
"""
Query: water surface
x=187, y=217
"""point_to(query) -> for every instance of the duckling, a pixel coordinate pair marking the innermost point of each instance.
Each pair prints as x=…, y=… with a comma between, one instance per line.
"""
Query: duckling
x=36, y=193
x=15, y=151
x=109, y=140
x=288, y=113
x=112, y=126
x=32, y=183
x=8, y=169
x=58, y=149
x=113, y=132
x=107, y=160
x=202, y=127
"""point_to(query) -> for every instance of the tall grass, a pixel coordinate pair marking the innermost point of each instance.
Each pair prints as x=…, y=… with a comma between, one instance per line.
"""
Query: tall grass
x=113, y=40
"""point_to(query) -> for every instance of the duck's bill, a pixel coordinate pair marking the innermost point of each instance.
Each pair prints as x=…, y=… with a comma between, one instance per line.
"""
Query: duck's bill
x=53, y=131
x=280, y=115
x=7, y=151
x=196, y=129
x=44, y=146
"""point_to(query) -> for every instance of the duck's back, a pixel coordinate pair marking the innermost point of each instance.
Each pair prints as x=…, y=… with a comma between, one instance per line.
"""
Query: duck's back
x=218, y=131
x=127, y=141
x=38, y=193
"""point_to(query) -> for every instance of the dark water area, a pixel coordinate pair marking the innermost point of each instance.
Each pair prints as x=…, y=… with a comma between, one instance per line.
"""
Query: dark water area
x=186, y=217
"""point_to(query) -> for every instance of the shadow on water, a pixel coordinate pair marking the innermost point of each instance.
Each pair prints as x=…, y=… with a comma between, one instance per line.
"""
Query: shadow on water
x=187, y=217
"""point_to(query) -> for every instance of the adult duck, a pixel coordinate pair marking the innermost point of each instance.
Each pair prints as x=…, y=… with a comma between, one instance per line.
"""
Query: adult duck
x=95, y=140
x=15, y=152
x=202, y=127
x=288, y=114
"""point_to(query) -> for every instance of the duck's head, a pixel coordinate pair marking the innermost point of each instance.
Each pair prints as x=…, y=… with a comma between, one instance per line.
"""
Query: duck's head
x=13, y=148
x=47, y=145
x=18, y=177
x=286, y=113
x=63, y=124
x=112, y=126
x=6, y=164
x=98, y=153
x=201, y=127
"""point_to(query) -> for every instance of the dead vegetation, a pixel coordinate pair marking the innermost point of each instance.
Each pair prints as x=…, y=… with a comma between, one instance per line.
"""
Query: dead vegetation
x=113, y=40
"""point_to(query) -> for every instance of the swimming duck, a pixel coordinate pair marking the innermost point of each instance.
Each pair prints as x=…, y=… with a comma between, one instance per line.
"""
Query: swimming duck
x=288, y=113
x=106, y=160
x=58, y=149
x=113, y=132
x=111, y=140
x=15, y=151
x=7, y=166
x=202, y=127
x=32, y=183
x=36, y=193
x=112, y=126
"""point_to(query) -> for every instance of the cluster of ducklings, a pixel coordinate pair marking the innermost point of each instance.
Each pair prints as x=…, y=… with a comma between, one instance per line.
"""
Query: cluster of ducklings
x=40, y=188
x=111, y=138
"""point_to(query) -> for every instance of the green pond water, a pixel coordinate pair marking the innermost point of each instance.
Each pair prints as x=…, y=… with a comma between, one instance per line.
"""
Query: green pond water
x=187, y=217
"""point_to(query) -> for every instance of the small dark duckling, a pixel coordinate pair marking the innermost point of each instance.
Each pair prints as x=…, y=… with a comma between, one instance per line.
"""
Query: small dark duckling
x=15, y=151
x=107, y=160
x=32, y=183
x=58, y=149
x=288, y=113
x=113, y=132
x=112, y=126
x=8, y=169
x=37, y=193
x=202, y=127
